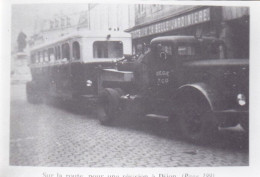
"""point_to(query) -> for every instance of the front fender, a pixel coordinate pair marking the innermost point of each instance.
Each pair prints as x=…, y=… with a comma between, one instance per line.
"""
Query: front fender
x=211, y=95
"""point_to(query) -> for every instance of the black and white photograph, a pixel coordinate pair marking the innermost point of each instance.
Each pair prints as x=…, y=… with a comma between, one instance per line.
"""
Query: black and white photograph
x=130, y=85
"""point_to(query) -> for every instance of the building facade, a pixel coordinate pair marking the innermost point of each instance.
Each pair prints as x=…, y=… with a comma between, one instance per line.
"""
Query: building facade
x=230, y=24
x=96, y=17
x=57, y=26
x=111, y=17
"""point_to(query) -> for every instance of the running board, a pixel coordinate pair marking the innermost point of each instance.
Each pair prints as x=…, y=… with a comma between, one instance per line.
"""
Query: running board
x=158, y=117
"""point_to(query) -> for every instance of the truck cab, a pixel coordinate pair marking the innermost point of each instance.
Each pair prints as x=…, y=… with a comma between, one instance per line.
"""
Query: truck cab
x=183, y=79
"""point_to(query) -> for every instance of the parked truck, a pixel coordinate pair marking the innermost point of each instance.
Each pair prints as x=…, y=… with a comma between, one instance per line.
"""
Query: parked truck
x=181, y=79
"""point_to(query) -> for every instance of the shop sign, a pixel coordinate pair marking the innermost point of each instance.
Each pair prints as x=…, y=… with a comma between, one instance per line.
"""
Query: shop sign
x=174, y=23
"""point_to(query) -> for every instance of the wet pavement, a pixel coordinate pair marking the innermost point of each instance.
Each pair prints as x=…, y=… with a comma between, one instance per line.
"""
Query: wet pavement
x=53, y=135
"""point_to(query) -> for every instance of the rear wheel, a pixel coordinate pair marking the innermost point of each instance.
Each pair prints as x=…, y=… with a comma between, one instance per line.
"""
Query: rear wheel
x=33, y=96
x=109, y=107
x=196, y=122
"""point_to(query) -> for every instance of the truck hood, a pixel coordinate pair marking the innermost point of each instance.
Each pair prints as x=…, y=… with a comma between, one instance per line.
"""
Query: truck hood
x=229, y=76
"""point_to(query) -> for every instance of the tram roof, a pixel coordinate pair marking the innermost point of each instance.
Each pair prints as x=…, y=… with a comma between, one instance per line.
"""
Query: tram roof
x=83, y=34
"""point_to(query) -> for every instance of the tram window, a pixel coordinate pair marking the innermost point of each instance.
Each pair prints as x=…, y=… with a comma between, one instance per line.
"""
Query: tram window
x=76, y=50
x=66, y=51
x=33, y=58
x=51, y=55
x=43, y=56
x=40, y=54
x=107, y=49
x=57, y=53
x=37, y=57
x=46, y=57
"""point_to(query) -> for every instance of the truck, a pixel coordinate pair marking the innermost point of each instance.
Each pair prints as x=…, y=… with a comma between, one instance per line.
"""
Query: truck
x=185, y=80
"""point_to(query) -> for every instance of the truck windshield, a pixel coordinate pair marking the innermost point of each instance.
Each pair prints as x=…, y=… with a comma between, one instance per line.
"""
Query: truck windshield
x=164, y=51
x=107, y=49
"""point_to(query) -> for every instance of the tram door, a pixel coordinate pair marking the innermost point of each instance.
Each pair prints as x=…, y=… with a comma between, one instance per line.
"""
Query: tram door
x=63, y=79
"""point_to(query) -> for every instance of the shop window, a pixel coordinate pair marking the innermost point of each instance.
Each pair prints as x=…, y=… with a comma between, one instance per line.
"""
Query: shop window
x=107, y=49
x=65, y=52
x=76, y=50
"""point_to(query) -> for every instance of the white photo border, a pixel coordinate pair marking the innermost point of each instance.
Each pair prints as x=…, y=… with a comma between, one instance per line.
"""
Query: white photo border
x=254, y=144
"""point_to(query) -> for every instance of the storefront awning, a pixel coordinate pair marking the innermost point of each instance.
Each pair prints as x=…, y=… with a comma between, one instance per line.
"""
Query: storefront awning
x=192, y=18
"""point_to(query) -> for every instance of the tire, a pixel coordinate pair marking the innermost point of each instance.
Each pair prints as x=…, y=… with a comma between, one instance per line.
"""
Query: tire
x=108, y=105
x=32, y=95
x=196, y=122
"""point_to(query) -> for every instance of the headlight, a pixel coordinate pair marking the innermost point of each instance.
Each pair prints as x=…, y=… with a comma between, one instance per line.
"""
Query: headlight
x=241, y=99
x=89, y=83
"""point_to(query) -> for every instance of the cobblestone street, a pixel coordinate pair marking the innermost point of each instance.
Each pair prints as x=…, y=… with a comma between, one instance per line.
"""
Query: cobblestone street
x=49, y=135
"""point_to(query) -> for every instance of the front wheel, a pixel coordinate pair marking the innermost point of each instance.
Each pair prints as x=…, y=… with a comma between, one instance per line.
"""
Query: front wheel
x=109, y=106
x=197, y=123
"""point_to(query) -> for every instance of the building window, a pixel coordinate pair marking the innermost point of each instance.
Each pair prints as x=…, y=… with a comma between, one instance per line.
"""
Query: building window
x=156, y=7
x=65, y=52
x=107, y=49
x=140, y=9
x=76, y=50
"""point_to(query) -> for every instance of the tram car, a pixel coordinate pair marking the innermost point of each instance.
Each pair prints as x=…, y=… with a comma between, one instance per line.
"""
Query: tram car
x=68, y=67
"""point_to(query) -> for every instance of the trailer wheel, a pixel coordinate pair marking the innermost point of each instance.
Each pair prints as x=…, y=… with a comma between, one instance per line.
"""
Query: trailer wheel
x=197, y=123
x=33, y=96
x=108, y=107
